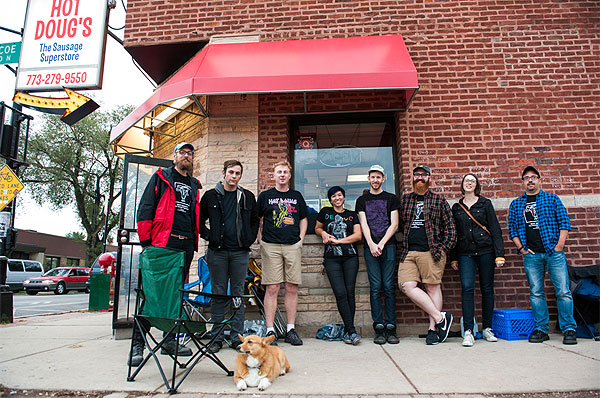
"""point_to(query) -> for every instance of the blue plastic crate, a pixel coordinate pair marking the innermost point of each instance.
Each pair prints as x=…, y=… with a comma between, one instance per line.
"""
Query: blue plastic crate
x=513, y=323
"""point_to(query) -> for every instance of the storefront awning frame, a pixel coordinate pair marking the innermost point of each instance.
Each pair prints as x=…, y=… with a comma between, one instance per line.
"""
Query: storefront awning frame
x=299, y=66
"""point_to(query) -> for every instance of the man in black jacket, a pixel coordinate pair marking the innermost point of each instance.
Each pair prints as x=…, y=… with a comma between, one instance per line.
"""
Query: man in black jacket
x=167, y=216
x=233, y=218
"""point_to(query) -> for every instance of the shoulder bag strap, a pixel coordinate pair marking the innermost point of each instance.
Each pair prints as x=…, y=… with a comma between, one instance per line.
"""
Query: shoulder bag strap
x=473, y=218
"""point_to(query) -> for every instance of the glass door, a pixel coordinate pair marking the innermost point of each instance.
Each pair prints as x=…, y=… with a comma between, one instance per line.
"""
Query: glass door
x=136, y=174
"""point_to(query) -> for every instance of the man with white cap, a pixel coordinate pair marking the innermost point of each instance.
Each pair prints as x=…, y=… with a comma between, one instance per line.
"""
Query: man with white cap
x=378, y=215
x=168, y=216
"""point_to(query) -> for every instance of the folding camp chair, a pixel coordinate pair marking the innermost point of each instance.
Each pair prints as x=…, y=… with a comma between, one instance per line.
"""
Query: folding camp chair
x=255, y=288
x=159, y=303
x=585, y=288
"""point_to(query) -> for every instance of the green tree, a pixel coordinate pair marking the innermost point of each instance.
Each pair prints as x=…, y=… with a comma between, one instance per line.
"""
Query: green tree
x=75, y=165
x=75, y=235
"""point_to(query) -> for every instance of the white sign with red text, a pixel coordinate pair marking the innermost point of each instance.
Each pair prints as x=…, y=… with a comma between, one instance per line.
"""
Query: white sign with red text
x=63, y=45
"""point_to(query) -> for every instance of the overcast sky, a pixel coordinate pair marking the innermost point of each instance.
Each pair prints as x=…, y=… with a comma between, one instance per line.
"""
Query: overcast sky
x=123, y=84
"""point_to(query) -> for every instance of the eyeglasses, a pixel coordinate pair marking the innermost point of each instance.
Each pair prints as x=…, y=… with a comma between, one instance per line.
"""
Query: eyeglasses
x=421, y=175
x=531, y=178
x=186, y=153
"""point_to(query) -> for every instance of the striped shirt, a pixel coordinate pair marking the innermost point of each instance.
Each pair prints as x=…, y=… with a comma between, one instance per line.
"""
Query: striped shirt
x=551, y=214
x=439, y=223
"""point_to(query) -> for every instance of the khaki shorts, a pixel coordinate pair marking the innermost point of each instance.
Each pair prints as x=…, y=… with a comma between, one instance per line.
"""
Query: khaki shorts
x=420, y=267
x=281, y=263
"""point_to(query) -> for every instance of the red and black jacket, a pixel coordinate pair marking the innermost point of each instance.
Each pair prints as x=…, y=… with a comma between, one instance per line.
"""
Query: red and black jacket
x=157, y=209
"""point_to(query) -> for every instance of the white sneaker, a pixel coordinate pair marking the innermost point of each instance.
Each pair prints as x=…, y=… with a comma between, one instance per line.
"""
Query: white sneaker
x=468, y=340
x=488, y=335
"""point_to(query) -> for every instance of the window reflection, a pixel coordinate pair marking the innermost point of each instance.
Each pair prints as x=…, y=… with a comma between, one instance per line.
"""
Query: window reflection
x=340, y=154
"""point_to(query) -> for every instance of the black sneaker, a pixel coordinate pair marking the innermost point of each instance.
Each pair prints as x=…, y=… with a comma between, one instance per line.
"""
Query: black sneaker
x=137, y=355
x=293, y=338
x=379, y=334
x=569, y=337
x=538, y=336
x=443, y=327
x=272, y=333
x=215, y=347
x=390, y=334
x=432, y=338
x=235, y=344
x=169, y=348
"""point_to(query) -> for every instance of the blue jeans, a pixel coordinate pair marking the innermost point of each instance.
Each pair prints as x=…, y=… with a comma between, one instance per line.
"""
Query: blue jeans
x=556, y=264
x=467, y=266
x=227, y=267
x=380, y=271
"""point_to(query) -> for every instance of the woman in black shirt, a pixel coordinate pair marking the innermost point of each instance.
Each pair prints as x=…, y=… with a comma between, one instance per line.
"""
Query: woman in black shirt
x=340, y=229
x=480, y=246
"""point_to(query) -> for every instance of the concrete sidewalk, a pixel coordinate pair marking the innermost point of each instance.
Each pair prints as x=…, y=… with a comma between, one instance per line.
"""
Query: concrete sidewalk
x=76, y=351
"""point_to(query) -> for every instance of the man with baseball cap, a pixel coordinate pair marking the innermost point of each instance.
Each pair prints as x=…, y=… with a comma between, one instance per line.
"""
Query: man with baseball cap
x=539, y=224
x=168, y=216
x=429, y=234
x=378, y=214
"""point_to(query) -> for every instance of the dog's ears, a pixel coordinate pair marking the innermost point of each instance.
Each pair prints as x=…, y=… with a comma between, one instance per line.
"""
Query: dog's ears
x=241, y=337
x=269, y=339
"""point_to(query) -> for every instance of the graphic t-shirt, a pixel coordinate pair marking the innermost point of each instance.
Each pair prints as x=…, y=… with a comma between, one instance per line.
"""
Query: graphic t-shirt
x=230, y=240
x=281, y=213
x=417, y=235
x=377, y=209
x=340, y=225
x=532, y=229
x=182, y=220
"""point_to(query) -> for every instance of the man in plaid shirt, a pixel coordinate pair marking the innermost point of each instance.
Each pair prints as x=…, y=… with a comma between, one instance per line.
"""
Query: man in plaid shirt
x=538, y=224
x=429, y=234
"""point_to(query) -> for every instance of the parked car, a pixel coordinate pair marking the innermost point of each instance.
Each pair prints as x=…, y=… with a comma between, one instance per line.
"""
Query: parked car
x=59, y=280
x=20, y=270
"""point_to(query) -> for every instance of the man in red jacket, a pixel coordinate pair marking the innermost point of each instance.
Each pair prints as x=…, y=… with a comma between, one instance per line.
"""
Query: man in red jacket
x=168, y=216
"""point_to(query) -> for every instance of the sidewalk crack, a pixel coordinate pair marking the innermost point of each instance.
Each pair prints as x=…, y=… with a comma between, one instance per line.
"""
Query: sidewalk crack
x=401, y=371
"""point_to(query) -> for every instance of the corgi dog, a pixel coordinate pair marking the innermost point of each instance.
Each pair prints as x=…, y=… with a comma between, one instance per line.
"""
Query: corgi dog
x=258, y=363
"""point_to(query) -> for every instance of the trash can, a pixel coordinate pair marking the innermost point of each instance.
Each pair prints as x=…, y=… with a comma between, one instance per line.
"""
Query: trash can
x=99, y=292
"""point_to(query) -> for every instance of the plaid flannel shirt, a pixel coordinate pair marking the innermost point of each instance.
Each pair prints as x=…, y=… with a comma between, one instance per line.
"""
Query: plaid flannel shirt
x=551, y=214
x=439, y=223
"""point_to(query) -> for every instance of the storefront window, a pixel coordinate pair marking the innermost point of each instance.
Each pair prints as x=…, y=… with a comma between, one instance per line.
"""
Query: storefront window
x=340, y=154
x=51, y=262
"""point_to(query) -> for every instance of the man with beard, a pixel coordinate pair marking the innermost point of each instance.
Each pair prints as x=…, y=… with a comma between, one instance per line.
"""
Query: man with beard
x=539, y=224
x=429, y=234
x=233, y=219
x=168, y=216
x=378, y=214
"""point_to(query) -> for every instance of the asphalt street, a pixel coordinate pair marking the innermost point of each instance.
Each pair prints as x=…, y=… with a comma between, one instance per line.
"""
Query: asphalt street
x=48, y=303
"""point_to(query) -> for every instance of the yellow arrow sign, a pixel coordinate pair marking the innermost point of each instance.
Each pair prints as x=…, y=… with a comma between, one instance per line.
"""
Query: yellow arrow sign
x=73, y=108
x=10, y=186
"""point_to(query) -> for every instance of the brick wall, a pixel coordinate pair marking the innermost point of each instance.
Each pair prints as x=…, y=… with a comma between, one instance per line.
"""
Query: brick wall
x=502, y=85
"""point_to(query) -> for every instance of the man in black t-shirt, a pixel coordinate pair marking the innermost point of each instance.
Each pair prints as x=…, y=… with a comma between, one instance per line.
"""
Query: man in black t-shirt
x=233, y=218
x=378, y=214
x=168, y=217
x=283, y=212
x=538, y=224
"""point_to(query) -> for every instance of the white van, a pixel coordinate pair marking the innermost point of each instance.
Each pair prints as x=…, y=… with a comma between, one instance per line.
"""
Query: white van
x=20, y=270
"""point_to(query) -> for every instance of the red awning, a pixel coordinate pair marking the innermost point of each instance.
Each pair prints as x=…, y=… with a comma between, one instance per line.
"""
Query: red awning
x=354, y=63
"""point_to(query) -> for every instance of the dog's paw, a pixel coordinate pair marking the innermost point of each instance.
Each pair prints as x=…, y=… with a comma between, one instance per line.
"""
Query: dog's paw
x=282, y=372
x=241, y=385
x=264, y=384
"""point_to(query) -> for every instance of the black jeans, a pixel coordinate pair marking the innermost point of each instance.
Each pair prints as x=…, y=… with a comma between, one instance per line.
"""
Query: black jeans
x=228, y=268
x=467, y=266
x=342, y=272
